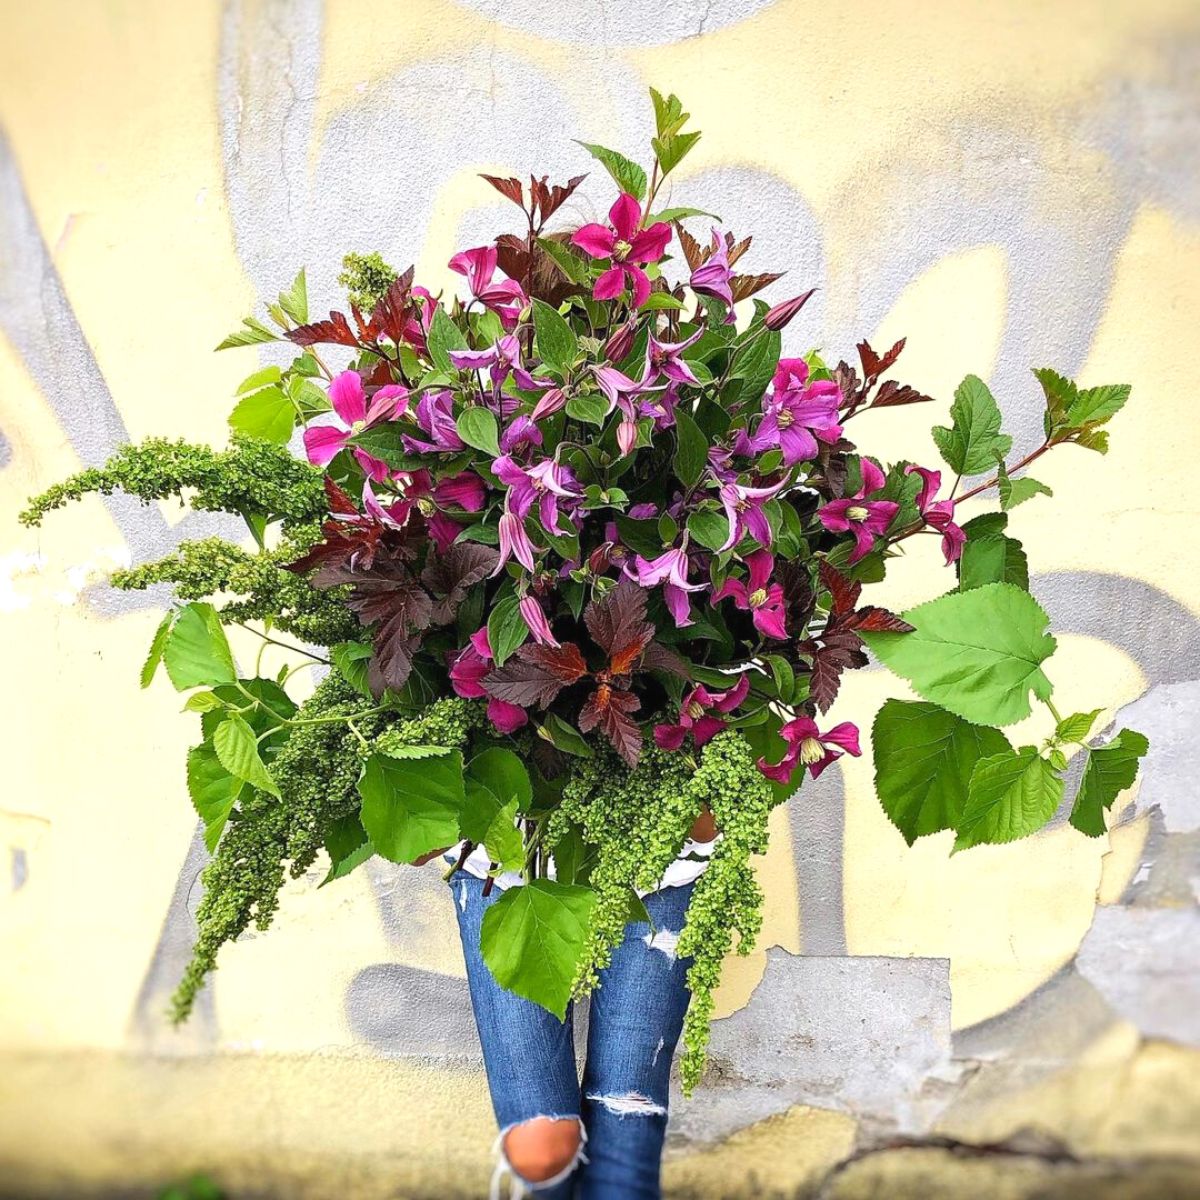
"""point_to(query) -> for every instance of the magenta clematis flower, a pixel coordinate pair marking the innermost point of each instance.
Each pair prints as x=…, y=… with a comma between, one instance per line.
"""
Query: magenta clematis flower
x=621, y=392
x=796, y=413
x=810, y=748
x=757, y=596
x=514, y=543
x=744, y=509
x=780, y=314
x=504, y=297
x=629, y=248
x=520, y=431
x=349, y=401
x=435, y=416
x=938, y=514
x=534, y=617
x=552, y=487
x=712, y=277
x=666, y=359
x=694, y=715
x=867, y=519
x=467, y=670
x=671, y=570
x=503, y=358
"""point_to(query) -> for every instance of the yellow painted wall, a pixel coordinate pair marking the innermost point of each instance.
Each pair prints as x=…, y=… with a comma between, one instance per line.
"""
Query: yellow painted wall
x=1007, y=184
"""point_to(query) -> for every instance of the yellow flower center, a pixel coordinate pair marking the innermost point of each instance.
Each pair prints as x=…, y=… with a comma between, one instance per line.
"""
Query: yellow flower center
x=620, y=250
x=784, y=419
x=358, y=426
x=857, y=513
x=695, y=710
x=811, y=751
x=427, y=506
x=758, y=597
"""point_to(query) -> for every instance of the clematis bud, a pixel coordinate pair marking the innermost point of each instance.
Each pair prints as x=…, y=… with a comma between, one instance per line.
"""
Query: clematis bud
x=549, y=402
x=781, y=314
x=619, y=343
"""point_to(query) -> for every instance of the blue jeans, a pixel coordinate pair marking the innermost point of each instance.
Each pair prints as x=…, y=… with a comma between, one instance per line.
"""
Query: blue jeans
x=635, y=1021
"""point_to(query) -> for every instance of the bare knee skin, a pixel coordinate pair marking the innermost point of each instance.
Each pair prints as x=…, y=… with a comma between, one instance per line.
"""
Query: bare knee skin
x=539, y=1149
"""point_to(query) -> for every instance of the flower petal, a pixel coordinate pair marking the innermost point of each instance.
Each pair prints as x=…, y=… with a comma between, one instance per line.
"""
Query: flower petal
x=322, y=442
x=625, y=215
x=347, y=397
x=610, y=285
x=596, y=240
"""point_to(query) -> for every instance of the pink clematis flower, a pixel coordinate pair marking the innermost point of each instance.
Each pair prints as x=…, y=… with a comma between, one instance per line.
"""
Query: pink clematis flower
x=502, y=359
x=622, y=392
x=629, y=248
x=435, y=416
x=796, y=413
x=514, y=543
x=349, y=401
x=744, y=510
x=694, y=715
x=666, y=359
x=762, y=599
x=712, y=277
x=810, y=748
x=467, y=670
x=534, y=617
x=867, y=519
x=671, y=570
x=504, y=297
x=553, y=488
x=938, y=514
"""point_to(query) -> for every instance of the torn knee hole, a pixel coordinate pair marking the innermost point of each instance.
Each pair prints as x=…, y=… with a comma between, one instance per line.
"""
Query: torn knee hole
x=541, y=1148
x=632, y=1104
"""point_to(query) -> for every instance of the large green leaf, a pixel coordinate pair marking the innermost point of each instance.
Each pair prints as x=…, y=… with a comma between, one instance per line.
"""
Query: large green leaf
x=691, y=448
x=974, y=442
x=924, y=757
x=197, y=652
x=627, y=175
x=556, y=341
x=504, y=774
x=158, y=645
x=348, y=846
x=443, y=337
x=411, y=806
x=506, y=629
x=976, y=653
x=1110, y=770
x=237, y=751
x=268, y=414
x=1094, y=406
x=213, y=790
x=1011, y=796
x=533, y=937
x=477, y=427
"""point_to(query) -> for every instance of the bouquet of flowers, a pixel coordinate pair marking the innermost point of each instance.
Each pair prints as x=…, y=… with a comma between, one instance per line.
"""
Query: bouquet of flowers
x=580, y=556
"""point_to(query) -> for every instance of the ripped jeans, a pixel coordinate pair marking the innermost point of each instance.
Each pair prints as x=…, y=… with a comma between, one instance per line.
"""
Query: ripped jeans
x=635, y=1020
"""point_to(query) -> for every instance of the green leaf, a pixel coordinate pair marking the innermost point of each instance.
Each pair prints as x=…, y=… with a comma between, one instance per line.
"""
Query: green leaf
x=709, y=528
x=294, y=301
x=1094, y=406
x=202, y=702
x=974, y=442
x=1011, y=796
x=679, y=213
x=353, y=659
x=258, y=379
x=592, y=409
x=567, y=261
x=348, y=846
x=924, y=757
x=628, y=175
x=1110, y=770
x=691, y=449
x=990, y=555
x=504, y=774
x=253, y=332
x=976, y=653
x=417, y=752
x=1077, y=726
x=671, y=151
x=506, y=629
x=1017, y=491
x=271, y=703
x=157, y=645
x=756, y=365
x=443, y=337
x=784, y=675
x=197, y=652
x=477, y=426
x=556, y=340
x=410, y=807
x=503, y=841
x=660, y=300
x=214, y=791
x=268, y=414
x=533, y=938
x=1060, y=394
x=237, y=750
x=565, y=737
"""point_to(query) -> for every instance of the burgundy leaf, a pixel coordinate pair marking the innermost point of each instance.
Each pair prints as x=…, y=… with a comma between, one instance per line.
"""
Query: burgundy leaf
x=657, y=657
x=389, y=316
x=692, y=250
x=607, y=709
x=536, y=674
x=844, y=592
x=618, y=625
x=872, y=619
x=547, y=200
x=736, y=249
x=339, y=500
x=537, y=272
x=509, y=188
x=745, y=286
x=893, y=394
x=451, y=575
x=391, y=664
x=841, y=651
x=846, y=377
x=336, y=331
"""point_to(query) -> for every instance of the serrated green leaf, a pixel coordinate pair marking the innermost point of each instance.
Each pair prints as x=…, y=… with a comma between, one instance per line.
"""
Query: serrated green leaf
x=555, y=339
x=1109, y=771
x=989, y=555
x=1011, y=795
x=411, y=807
x=237, y=751
x=1094, y=406
x=197, y=651
x=157, y=645
x=1077, y=726
x=443, y=337
x=213, y=790
x=672, y=150
x=477, y=426
x=976, y=653
x=924, y=757
x=416, y=752
x=974, y=442
x=506, y=629
x=260, y=378
x=504, y=774
x=1017, y=491
x=353, y=660
x=252, y=334
x=202, y=702
x=533, y=937
x=567, y=261
x=348, y=846
x=629, y=177
x=503, y=841
x=691, y=449
x=268, y=414
x=294, y=301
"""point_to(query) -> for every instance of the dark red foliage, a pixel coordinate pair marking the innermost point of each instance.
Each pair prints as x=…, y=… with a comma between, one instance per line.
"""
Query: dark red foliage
x=390, y=315
x=618, y=625
x=449, y=576
x=534, y=269
x=745, y=286
x=336, y=331
x=536, y=674
x=608, y=709
x=510, y=188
